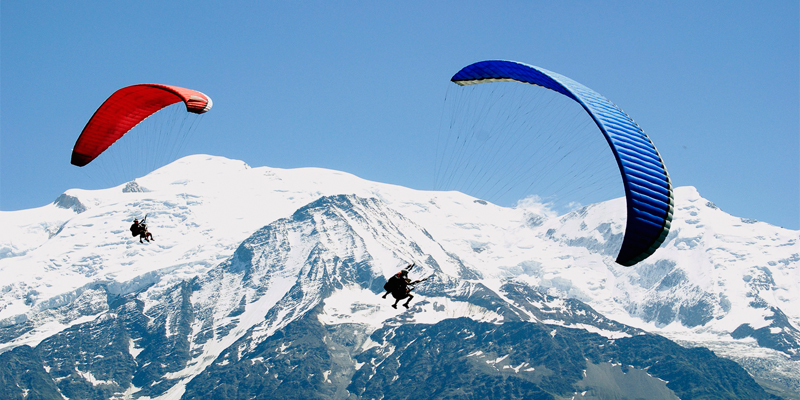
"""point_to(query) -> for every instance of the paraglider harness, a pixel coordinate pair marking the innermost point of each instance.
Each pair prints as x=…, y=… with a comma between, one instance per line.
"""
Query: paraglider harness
x=397, y=280
x=137, y=227
x=398, y=283
x=140, y=229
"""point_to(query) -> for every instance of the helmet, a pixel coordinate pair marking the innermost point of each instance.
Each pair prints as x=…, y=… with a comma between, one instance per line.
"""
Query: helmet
x=404, y=273
x=135, y=220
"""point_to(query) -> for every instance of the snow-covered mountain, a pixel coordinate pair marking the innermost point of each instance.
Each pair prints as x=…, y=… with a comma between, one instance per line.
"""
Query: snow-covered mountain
x=267, y=282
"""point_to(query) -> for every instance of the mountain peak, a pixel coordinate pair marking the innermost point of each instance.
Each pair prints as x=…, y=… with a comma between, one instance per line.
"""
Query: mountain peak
x=199, y=165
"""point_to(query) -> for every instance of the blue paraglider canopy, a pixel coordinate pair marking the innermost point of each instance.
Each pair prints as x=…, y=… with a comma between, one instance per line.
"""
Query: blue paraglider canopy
x=648, y=190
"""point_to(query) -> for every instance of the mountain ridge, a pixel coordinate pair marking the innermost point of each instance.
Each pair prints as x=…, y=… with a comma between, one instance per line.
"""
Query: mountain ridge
x=327, y=248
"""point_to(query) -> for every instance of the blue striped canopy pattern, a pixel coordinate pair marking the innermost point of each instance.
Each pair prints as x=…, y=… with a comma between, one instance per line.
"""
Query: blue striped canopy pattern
x=648, y=191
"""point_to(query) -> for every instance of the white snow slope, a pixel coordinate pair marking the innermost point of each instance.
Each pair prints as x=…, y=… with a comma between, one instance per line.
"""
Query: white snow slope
x=714, y=273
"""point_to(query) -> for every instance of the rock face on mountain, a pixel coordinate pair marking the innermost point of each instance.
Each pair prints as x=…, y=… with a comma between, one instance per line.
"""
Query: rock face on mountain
x=266, y=283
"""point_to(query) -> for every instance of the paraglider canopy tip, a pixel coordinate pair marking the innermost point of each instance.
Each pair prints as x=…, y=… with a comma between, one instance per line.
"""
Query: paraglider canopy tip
x=197, y=99
x=79, y=159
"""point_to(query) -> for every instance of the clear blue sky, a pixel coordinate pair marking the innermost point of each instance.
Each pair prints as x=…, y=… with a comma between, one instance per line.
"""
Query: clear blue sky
x=358, y=86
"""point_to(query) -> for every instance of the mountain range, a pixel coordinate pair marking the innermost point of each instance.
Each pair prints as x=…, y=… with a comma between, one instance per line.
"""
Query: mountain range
x=267, y=283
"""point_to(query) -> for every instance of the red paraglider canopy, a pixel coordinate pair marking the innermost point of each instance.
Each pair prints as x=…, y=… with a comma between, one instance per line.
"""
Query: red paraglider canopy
x=125, y=109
